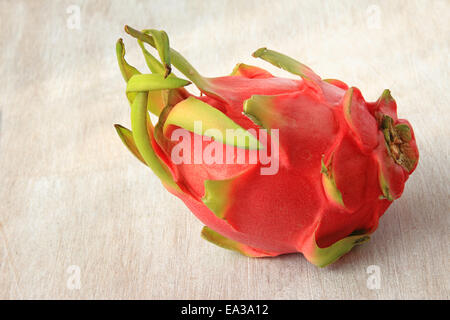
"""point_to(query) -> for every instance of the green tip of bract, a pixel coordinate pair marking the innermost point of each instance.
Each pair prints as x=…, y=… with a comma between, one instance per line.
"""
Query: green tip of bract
x=347, y=104
x=290, y=65
x=259, y=52
x=248, y=71
x=386, y=95
x=151, y=82
x=260, y=109
x=168, y=70
x=404, y=132
x=127, y=70
x=221, y=241
x=322, y=257
x=217, y=195
x=337, y=83
x=127, y=138
x=384, y=187
x=329, y=184
x=119, y=47
x=397, y=139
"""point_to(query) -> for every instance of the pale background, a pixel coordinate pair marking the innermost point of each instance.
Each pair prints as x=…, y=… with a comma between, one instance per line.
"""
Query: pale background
x=72, y=195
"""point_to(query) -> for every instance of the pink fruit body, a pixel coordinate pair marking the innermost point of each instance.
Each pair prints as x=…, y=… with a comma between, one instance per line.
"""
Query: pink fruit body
x=341, y=161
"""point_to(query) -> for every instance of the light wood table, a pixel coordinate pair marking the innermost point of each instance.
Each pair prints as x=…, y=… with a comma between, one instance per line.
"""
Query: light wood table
x=74, y=202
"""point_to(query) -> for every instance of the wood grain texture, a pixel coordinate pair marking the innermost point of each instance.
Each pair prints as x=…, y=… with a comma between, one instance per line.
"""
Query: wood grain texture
x=70, y=193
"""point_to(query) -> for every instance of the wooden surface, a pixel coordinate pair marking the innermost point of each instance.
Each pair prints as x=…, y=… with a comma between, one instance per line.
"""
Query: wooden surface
x=71, y=195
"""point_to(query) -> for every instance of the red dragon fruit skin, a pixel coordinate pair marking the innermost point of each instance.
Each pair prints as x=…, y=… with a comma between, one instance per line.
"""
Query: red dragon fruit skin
x=341, y=160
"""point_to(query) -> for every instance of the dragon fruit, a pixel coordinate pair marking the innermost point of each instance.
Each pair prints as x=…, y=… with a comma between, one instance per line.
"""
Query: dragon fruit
x=334, y=162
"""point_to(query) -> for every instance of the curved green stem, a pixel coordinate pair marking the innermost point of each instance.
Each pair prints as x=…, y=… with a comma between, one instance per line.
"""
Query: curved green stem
x=176, y=59
x=141, y=137
x=158, y=40
x=287, y=63
x=140, y=122
x=153, y=64
x=127, y=70
x=154, y=81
